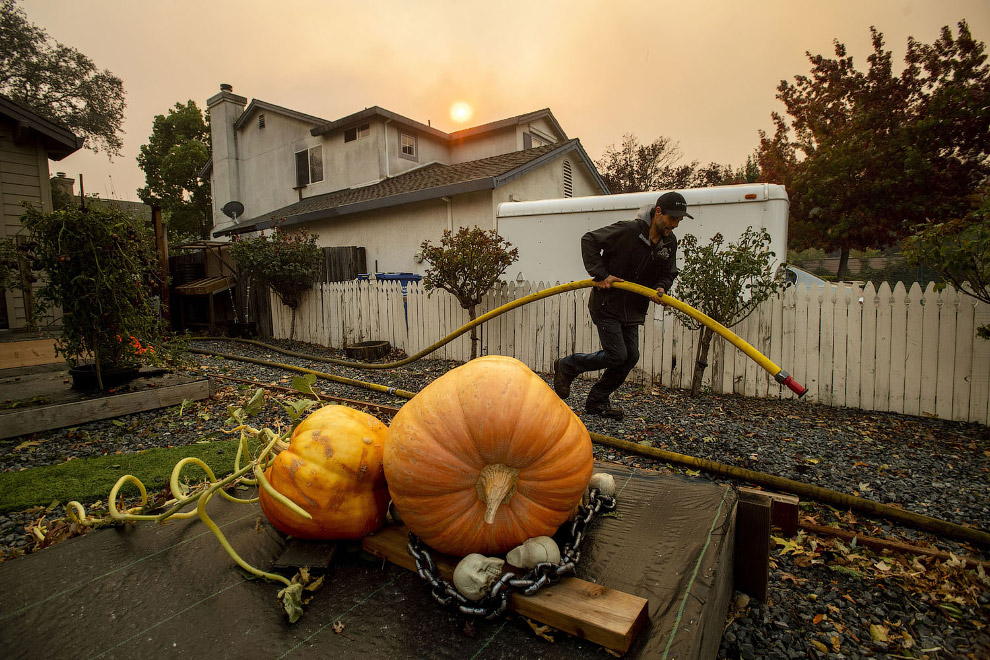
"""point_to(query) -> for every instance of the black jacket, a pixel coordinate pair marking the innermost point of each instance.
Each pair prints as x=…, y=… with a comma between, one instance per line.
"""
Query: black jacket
x=624, y=249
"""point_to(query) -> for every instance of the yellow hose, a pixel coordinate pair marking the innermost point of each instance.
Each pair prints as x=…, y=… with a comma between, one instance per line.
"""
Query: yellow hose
x=779, y=374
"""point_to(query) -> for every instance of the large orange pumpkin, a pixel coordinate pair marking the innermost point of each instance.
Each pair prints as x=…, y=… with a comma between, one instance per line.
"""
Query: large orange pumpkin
x=333, y=470
x=485, y=457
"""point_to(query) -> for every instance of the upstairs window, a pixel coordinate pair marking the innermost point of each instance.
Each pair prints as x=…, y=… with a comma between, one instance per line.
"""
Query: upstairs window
x=531, y=140
x=407, y=146
x=357, y=132
x=309, y=166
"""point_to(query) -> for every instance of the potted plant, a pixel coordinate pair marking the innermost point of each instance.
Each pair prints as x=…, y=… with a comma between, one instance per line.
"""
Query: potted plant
x=98, y=265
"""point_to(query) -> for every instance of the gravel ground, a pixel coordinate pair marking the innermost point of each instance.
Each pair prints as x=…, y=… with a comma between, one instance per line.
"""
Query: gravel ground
x=826, y=599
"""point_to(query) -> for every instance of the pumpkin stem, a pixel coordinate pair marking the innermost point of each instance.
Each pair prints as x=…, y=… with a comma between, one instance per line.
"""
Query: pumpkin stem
x=496, y=486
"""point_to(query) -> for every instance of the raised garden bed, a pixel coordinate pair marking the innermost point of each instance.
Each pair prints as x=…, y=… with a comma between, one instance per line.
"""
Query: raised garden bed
x=33, y=402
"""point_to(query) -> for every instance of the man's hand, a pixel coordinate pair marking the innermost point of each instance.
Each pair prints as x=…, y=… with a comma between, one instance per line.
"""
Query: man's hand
x=608, y=282
x=659, y=294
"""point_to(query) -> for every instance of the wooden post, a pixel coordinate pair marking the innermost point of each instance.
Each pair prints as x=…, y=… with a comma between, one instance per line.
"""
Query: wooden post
x=162, y=243
x=751, y=566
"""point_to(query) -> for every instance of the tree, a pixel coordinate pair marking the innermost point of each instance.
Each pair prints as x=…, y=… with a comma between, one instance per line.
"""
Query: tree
x=725, y=281
x=177, y=150
x=958, y=250
x=287, y=261
x=58, y=82
x=639, y=167
x=467, y=264
x=868, y=155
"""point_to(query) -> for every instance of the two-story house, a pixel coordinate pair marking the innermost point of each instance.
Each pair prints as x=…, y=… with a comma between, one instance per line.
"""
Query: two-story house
x=379, y=180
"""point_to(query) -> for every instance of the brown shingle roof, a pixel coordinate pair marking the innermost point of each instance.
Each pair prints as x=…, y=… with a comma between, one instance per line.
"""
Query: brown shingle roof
x=428, y=182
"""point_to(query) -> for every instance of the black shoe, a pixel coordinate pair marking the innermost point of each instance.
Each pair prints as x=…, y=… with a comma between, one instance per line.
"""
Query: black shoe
x=605, y=411
x=561, y=383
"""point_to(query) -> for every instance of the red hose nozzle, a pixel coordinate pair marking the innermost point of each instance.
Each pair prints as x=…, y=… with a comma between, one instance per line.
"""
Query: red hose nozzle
x=785, y=378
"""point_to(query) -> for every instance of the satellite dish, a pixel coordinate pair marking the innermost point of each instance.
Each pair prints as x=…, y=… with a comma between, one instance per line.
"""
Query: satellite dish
x=233, y=209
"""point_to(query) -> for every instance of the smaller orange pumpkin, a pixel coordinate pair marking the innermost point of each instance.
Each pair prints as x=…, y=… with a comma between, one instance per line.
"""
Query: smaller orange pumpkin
x=333, y=470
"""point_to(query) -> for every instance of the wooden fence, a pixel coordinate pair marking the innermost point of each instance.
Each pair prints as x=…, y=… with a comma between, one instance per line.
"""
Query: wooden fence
x=906, y=351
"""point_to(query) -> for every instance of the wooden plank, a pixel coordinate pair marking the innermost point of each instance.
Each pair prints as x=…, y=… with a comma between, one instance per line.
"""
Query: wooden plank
x=868, y=350
x=881, y=395
x=979, y=394
x=840, y=339
x=854, y=343
x=590, y=611
x=800, y=338
x=912, y=351
x=21, y=422
x=946, y=353
x=929, y=351
x=898, y=347
x=963, y=368
x=752, y=544
x=813, y=345
x=826, y=348
x=784, y=510
x=28, y=353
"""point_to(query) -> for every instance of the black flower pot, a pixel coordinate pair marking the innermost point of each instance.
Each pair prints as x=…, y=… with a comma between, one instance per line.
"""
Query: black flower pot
x=84, y=377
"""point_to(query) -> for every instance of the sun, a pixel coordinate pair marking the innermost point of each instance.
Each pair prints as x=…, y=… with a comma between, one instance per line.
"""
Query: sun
x=460, y=112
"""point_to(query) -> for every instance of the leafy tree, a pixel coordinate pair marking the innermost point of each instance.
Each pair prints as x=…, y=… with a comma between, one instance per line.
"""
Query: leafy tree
x=177, y=150
x=58, y=82
x=959, y=250
x=287, y=261
x=725, y=281
x=868, y=155
x=467, y=264
x=639, y=167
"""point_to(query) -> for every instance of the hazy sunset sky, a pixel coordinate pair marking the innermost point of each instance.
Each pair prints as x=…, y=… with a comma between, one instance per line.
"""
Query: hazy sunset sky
x=703, y=73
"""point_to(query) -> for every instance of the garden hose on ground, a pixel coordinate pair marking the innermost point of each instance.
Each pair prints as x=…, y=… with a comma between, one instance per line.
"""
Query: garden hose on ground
x=817, y=493
x=779, y=374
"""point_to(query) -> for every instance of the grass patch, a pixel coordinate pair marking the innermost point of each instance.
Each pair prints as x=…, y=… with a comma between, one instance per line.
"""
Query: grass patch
x=90, y=479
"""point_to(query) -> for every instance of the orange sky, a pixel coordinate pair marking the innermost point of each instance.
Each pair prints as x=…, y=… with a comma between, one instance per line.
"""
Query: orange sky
x=701, y=72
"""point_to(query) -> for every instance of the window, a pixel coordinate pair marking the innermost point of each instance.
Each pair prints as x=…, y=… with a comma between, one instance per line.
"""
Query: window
x=568, y=180
x=407, y=146
x=357, y=132
x=309, y=166
x=531, y=140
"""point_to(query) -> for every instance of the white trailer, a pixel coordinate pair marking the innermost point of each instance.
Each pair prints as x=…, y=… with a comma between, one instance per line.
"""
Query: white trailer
x=548, y=232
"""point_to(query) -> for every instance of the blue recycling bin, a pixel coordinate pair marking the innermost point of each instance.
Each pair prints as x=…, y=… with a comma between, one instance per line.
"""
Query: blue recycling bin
x=402, y=278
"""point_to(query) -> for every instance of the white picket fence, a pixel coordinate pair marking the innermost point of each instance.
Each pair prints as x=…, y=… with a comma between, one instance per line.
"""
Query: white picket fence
x=905, y=351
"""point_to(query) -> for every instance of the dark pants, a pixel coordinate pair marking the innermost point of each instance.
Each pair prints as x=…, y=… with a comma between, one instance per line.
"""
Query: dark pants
x=619, y=354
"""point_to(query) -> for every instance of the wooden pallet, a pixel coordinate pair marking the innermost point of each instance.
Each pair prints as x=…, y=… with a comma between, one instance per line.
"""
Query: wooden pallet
x=590, y=611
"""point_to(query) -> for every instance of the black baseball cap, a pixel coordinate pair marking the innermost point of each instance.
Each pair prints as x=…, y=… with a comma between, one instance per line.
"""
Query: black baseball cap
x=673, y=204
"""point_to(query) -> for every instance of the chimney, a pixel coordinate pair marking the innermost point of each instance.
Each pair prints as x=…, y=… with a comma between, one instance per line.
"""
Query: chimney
x=63, y=183
x=225, y=107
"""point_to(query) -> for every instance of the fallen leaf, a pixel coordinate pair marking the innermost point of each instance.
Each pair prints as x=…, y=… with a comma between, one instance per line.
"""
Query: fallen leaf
x=882, y=566
x=879, y=633
x=818, y=619
x=338, y=627
x=818, y=645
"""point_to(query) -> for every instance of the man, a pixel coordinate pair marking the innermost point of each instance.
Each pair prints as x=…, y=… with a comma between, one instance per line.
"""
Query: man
x=643, y=251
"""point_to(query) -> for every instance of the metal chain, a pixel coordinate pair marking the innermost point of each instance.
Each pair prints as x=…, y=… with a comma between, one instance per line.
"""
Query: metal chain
x=493, y=605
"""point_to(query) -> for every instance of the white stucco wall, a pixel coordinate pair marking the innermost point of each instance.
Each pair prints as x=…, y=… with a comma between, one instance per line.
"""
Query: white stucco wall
x=392, y=237
x=430, y=149
x=547, y=182
x=490, y=144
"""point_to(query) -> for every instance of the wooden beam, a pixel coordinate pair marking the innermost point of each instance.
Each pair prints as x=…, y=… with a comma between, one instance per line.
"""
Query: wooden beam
x=783, y=510
x=590, y=611
x=751, y=565
x=44, y=418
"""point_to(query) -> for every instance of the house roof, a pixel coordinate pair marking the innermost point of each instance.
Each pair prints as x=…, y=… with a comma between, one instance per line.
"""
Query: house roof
x=506, y=123
x=264, y=106
x=376, y=111
x=431, y=181
x=57, y=139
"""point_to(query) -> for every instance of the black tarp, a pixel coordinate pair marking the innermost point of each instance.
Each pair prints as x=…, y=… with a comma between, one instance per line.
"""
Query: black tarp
x=170, y=591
